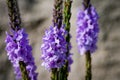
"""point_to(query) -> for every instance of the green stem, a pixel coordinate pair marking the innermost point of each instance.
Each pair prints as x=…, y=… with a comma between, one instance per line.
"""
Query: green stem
x=88, y=76
x=57, y=13
x=54, y=74
x=67, y=15
x=15, y=24
x=64, y=72
x=23, y=71
x=66, y=20
x=86, y=4
x=14, y=15
x=88, y=66
x=57, y=21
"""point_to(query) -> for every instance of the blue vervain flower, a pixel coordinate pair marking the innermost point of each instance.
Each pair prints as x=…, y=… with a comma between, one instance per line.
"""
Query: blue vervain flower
x=54, y=48
x=18, y=49
x=87, y=30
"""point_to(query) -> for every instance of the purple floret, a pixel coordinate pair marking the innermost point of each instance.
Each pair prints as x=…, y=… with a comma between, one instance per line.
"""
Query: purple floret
x=18, y=49
x=87, y=30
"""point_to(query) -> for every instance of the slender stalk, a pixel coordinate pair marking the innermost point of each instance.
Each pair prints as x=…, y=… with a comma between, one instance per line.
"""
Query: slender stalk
x=23, y=71
x=66, y=20
x=67, y=16
x=15, y=24
x=86, y=4
x=88, y=76
x=88, y=66
x=14, y=15
x=57, y=13
x=54, y=74
x=57, y=21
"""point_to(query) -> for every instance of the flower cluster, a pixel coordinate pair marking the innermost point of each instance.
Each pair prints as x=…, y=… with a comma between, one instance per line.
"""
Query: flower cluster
x=87, y=30
x=18, y=49
x=54, y=48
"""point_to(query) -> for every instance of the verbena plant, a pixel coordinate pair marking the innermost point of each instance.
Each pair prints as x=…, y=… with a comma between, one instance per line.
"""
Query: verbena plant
x=56, y=44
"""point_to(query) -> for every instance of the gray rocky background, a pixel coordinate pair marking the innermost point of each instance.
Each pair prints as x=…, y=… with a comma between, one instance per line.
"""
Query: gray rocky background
x=36, y=17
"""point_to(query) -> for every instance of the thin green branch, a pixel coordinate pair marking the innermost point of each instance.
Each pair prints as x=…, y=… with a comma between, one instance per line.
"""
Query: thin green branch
x=66, y=20
x=14, y=15
x=54, y=74
x=57, y=13
x=23, y=71
x=88, y=66
x=86, y=4
x=15, y=24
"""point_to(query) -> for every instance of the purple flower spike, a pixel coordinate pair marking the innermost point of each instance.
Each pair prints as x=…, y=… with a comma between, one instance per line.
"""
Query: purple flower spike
x=18, y=49
x=87, y=30
x=54, y=48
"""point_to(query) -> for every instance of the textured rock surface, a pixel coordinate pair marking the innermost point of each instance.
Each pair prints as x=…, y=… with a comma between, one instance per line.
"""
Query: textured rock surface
x=37, y=15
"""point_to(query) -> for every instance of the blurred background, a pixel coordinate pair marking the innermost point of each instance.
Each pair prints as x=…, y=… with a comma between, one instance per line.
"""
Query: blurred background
x=37, y=16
